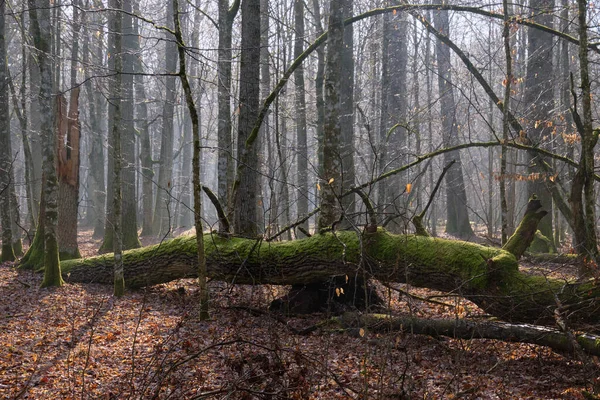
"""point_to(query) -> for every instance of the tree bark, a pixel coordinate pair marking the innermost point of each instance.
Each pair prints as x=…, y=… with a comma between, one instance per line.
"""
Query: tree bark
x=465, y=329
x=6, y=165
x=457, y=222
x=245, y=199
x=225, y=165
x=42, y=34
x=300, y=99
x=487, y=276
x=525, y=232
x=331, y=180
x=129, y=197
x=539, y=100
x=163, y=205
x=68, y=142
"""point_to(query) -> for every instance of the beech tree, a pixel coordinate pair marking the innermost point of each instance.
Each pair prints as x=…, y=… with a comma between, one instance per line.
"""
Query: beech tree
x=6, y=170
x=39, y=15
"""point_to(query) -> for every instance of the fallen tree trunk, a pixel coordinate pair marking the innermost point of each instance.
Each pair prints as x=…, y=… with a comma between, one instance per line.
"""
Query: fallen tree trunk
x=489, y=277
x=466, y=329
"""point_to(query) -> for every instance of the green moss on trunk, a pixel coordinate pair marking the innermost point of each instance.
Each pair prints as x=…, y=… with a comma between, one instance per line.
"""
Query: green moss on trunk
x=7, y=252
x=487, y=276
x=52, y=272
x=34, y=258
x=525, y=232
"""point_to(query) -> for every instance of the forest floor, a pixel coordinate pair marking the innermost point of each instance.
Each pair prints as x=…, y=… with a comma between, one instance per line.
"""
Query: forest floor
x=78, y=341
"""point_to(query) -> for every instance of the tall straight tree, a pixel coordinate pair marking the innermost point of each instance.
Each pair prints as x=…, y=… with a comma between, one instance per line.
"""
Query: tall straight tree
x=115, y=23
x=124, y=100
x=129, y=198
x=39, y=15
x=246, y=184
x=347, y=112
x=539, y=100
x=583, y=197
x=6, y=170
x=457, y=215
x=142, y=126
x=186, y=217
x=225, y=165
x=69, y=135
x=163, y=204
x=331, y=186
x=300, y=99
x=394, y=110
x=93, y=55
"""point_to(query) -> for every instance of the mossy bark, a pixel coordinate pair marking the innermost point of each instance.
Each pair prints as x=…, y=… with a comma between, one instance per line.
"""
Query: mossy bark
x=34, y=257
x=7, y=253
x=487, y=276
x=525, y=232
x=52, y=272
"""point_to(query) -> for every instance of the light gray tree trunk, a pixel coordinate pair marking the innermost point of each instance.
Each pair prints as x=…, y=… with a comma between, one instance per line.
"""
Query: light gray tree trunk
x=145, y=156
x=42, y=35
x=331, y=181
x=129, y=198
x=164, y=205
x=186, y=217
x=539, y=100
x=187, y=89
x=319, y=88
x=92, y=55
x=300, y=100
x=347, y=114
x=457, y=216
x=395, y=118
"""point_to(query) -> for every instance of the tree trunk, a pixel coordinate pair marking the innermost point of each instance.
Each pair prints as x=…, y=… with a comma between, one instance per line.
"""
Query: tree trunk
x=145, y=156
x=245, y=199
x=347, y=115
x=6, y=164
x=129, y=198
x=163, y=206
x=395, y=118
x=557, y=340
x=225, y=165
x=92, y=55
x=539, y=100
x=487, y=276
x=300, y=99
x=117, y=129
x=189, y=98
x=331, y=180
x=68, y=132
x=525, y=232
x=42, y=35
x=457, y=222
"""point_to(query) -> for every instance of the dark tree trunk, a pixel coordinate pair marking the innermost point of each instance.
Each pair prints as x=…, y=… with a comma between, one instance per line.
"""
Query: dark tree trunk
x=6, y=164
x=68, y=131
x=245, y=187
x=225, y=164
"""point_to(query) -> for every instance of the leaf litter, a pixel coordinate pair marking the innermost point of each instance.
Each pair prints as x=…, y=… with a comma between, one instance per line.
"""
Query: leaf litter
x=78, y=341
